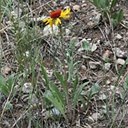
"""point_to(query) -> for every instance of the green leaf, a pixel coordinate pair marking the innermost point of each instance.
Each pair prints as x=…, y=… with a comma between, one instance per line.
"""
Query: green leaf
x=94, y=89
x=101, y=4
x=3, y=85
x=55, y=91
x=77, y=93
x=113, y=3
x=117, y=17
x=6, y=85
x=70, y=69
x=8, y=106
x=63, y=81
x=126, y=61
x=2, y=81
x=55, y=101
x=75, y=83
x=126, y=84
x=43, y=71
x=86, y=46
x=10, y=82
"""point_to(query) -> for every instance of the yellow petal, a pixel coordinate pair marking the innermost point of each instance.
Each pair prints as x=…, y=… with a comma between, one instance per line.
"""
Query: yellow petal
x=57, y=21
x=65, y=14
x=49, y=21
x=46, y=19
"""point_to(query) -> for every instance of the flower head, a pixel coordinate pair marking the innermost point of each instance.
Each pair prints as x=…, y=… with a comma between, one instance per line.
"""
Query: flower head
x=56, y=17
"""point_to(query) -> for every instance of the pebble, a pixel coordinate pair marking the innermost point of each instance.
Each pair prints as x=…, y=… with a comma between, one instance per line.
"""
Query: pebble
x=33, y=99
x=120, y=61
x=6, y=70
x=106, y=54
x=96, y=116
x=120, y=53
x=107, y=66
x=93, y=47
x=102, y=97
x=83, y=5
x=27, y=88
x=93, y=65
x=76, y=7
x=68, y=32
x=108, y=82
x=118, y=36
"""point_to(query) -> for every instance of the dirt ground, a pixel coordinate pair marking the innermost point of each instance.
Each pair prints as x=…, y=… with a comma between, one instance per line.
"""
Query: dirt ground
x=101, y=65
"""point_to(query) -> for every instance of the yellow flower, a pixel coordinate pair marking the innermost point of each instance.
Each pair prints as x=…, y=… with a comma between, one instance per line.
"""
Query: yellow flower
x=56, y=17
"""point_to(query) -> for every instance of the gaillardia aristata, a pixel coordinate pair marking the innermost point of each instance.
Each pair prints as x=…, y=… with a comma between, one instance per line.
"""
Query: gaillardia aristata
x=56, y=17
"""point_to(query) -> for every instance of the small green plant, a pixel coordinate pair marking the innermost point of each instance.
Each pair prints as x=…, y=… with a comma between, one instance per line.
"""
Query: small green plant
x=66, y=96
x=108, y=10
x=5, y=8
x=26, y=41
x=6, y=84
x=6, y=88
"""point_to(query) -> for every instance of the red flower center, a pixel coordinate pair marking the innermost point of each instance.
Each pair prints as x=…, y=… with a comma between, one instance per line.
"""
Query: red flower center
x=55, y=14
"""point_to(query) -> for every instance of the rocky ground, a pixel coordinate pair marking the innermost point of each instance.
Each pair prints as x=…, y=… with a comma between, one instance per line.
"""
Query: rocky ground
x=102, y=60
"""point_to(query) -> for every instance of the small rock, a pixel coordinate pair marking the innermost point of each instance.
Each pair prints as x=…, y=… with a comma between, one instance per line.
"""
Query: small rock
x=93, y=65
x=112, y=87
x=83, y=67
x=90, y=119
x=106, y=54
x=108, y=82
x=93, y=47
x=68, y=32
x=118, y=36
x=120, y=61
x=90, y=24
x=27, y=88
x=107, y=66
x=5, y=70
x=120, y=53
x=33, y=99
x=76, y=7
x=96, y=116
x=55, y=111
x=83, y=5
x=102, y=97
